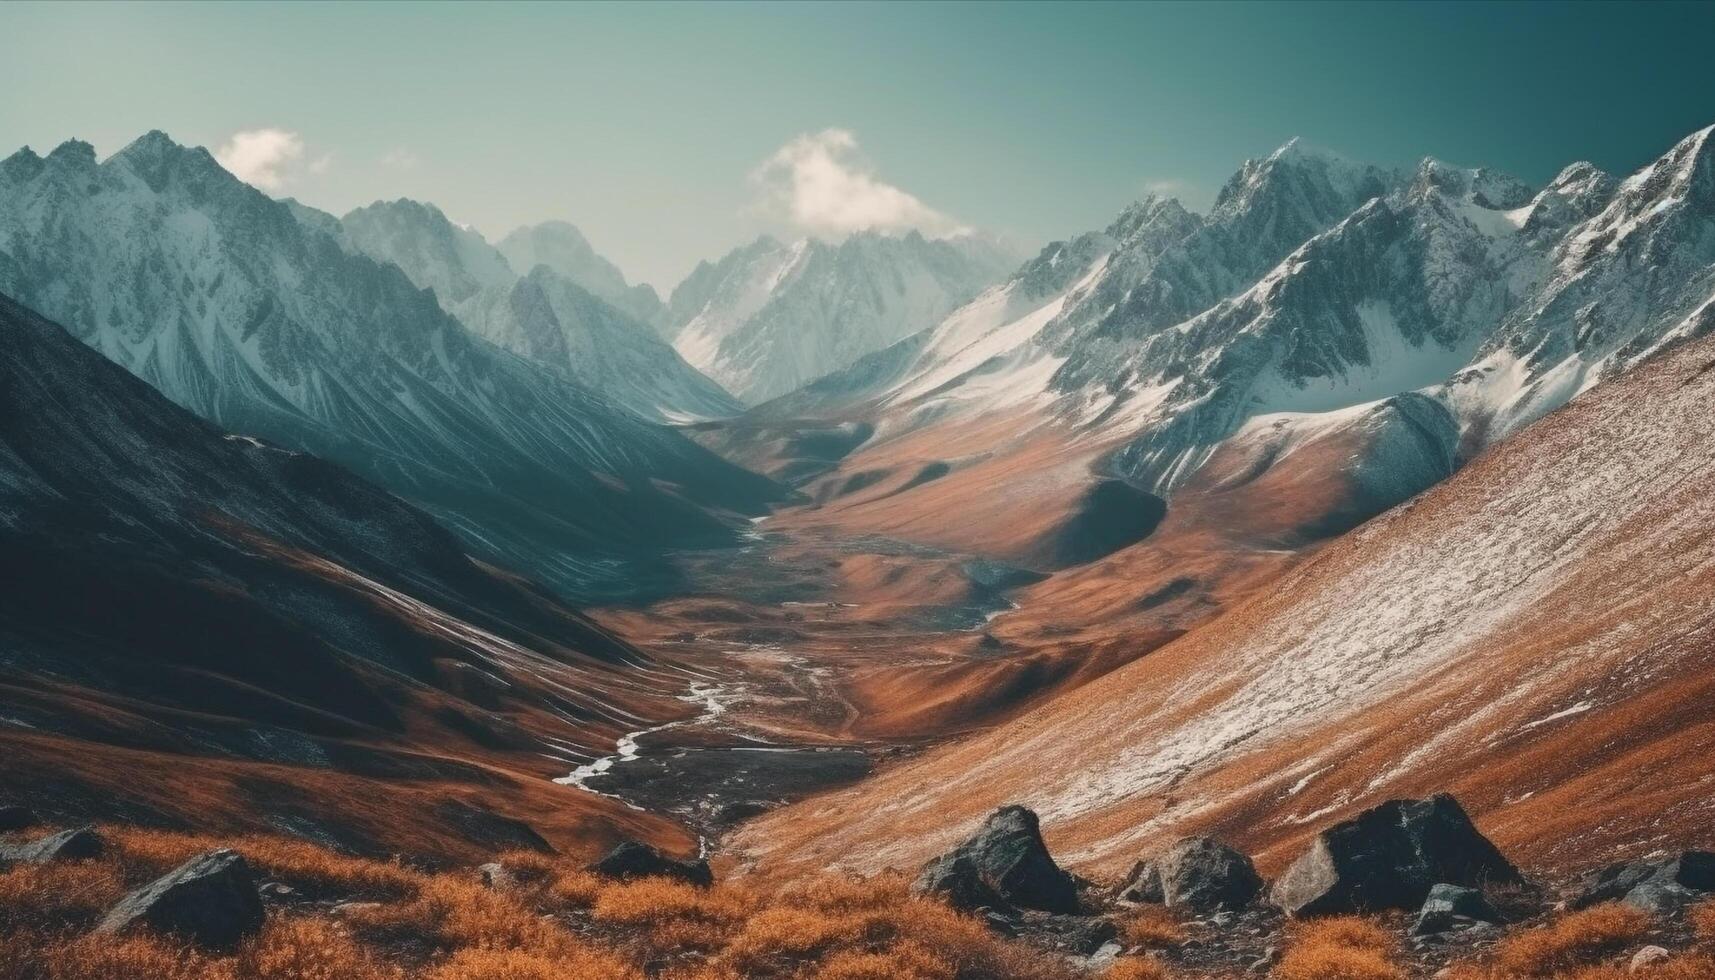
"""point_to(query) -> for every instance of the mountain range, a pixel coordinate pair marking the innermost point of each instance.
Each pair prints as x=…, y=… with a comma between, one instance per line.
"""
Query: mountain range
x=258, y=316
x=1420, y=315
x=1366, y=483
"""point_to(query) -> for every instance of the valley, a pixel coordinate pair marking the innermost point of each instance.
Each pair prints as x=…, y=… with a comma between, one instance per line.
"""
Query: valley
x=1136, y=608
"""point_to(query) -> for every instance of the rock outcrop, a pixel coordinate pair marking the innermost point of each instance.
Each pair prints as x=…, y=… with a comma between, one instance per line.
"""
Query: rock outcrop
x=1007, y=856
x=210, y=900
x=632, y=859
x=1389, y=857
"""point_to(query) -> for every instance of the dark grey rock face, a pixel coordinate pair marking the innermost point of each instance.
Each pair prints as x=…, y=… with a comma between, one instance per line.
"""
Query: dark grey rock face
x=1389, y=857
x=636, y=860
x=956, y=879
x=16, y=817
x=210, y=900
x=1010, y=858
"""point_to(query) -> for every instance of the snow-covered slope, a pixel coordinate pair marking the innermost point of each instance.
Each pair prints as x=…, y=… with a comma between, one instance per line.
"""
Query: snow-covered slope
x=770, y=317
x=562, y=248
x=543, y=315
x=235, y=308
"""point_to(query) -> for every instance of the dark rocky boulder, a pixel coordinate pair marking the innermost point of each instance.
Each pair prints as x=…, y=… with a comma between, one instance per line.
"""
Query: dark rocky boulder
x=15, y=817
x=210, y=900
x=1388, y=857
x=1011, y=859
x=1198, y=873
x=637, y=860
x=1447, y=904
x=957, y=879
x=76, y=844
x=1687, y=872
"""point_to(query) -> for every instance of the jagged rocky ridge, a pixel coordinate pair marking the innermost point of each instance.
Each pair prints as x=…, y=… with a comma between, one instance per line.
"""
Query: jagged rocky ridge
x=1436, y=311
x=236, y=308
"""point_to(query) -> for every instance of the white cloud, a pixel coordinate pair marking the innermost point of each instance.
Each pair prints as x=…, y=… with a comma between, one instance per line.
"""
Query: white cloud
x=1167, y=187
x=261, y=157
x=822, y=183
x=399, y=158
x=321, y=164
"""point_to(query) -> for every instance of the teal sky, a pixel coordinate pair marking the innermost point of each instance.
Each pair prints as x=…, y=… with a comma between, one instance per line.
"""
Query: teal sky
x=646, y=124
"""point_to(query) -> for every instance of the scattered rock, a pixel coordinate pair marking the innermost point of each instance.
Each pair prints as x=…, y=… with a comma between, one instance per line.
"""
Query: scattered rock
x=210, y=900
x=1010, y=858
x=494, y=876
x=15, y=817
x=1388, y=857
x=1659, y=885
x=1447, y=904
x=1075, y=934
x=633, y=859
x=76, y=844
x=277, y=891
x=1647, y=957
x=1203, y=875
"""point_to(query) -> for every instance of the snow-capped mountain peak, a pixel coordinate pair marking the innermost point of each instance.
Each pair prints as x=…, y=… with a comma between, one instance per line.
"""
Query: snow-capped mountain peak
x=770, y=317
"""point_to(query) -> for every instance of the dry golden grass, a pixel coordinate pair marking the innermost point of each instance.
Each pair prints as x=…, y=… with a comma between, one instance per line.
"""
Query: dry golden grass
x=305, y=866
x=1152, y=927
x=512, y=964
x=1138, y=968
x=1341, y=948
x=449, y=926
x=1572, y=941
x=286, y=949
x=1702, y=919
x=905, y=961
x=58, y=895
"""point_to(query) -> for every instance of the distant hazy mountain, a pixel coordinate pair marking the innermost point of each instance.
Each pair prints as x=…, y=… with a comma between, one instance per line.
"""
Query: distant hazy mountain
x=770, y=317
x=544, y=315
x=237, y=308
x=562, y=248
